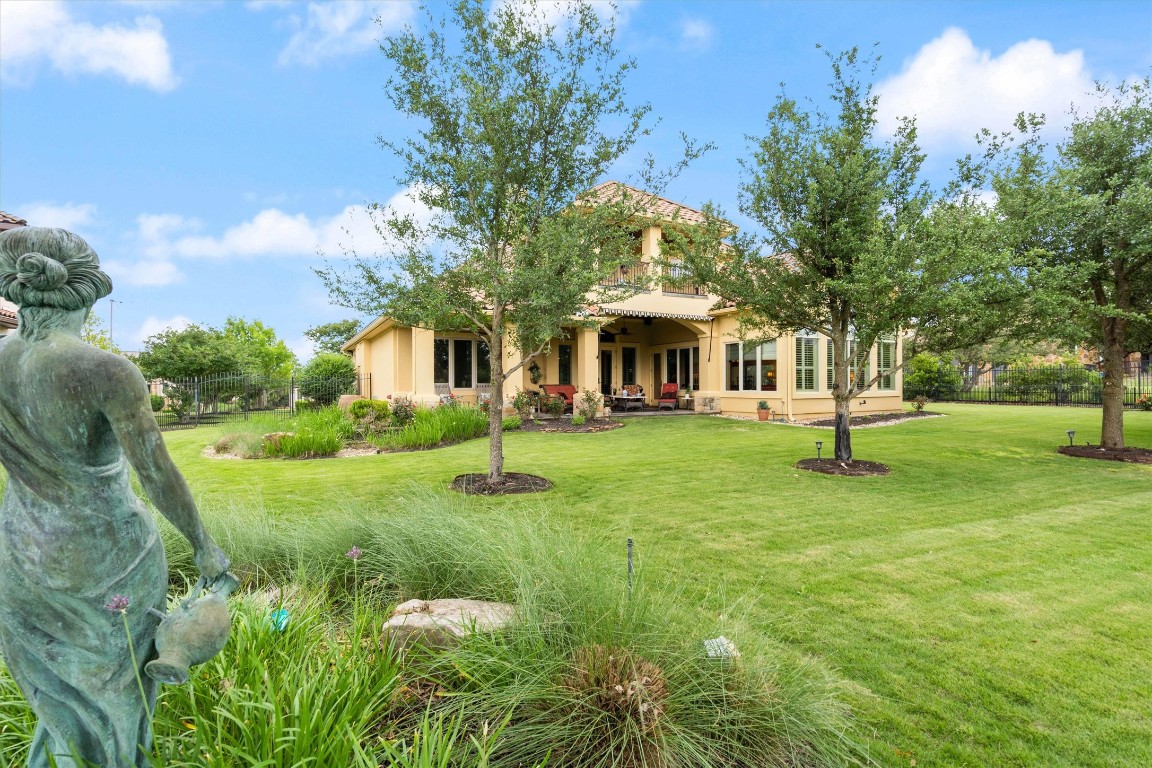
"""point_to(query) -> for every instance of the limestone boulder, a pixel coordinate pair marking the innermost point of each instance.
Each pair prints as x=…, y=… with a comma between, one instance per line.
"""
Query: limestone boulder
x=441, y=623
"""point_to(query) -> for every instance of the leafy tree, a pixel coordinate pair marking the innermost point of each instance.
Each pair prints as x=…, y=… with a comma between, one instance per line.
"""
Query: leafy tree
x=1084, y=217
x=520, y=118
x=258, y=349
x=326, y=377
x=188, y=352
x=97, y=335
x=329, y=337
x=853, y=245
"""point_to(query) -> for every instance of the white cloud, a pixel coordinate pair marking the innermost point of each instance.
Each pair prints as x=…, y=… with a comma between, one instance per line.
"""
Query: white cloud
x=342, y=28
x=261, y=5
x=554, y=12
x=154, y=325
x=151, y=273
x=70, y=216
x=696, y=34
x=954, y=89
x=35, y=32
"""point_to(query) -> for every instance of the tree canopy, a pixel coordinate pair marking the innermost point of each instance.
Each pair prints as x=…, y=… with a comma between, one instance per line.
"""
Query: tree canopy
x=852, y=244
x=330, y=337
x=520, y=119
x=1083, y=219
x=198, y=351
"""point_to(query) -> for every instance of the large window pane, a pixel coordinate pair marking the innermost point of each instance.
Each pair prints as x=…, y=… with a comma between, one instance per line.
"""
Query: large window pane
x=670, y=368
x=462, y=363
x=768, y=367
x=732, y=361
x=695, y=369
x=628, y=365
x=685, y=368
x=483, y=363
x=749, y=377
x=440, y=361
x=565, y=363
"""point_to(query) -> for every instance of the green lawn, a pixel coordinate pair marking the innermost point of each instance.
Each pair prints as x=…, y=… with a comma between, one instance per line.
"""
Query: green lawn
x=989, y=602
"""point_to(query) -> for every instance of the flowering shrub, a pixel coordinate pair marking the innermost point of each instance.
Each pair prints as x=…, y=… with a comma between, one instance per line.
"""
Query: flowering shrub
x=1143, y=403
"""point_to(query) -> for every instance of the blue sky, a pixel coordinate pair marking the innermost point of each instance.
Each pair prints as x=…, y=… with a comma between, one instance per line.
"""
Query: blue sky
x=209, y=150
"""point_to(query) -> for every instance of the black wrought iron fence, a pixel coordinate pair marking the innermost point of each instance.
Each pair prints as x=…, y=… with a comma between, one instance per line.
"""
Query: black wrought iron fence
x=1025, y=385
x=187, y=403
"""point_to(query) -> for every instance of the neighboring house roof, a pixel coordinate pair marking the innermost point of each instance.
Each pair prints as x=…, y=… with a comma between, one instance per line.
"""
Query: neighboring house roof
x=7, y=317
x=8, y=221
x=653, y=205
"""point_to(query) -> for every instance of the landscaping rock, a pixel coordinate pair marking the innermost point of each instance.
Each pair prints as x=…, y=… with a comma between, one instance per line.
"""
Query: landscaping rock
x=273, y=438
x=441, y=623
x=347, y=400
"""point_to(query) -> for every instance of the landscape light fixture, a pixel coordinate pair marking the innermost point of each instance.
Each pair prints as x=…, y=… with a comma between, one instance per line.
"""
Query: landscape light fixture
x=1071, y=434
x=819, y=445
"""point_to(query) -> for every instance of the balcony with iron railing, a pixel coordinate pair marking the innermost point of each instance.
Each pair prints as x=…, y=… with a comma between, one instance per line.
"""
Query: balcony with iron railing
x=671, y=283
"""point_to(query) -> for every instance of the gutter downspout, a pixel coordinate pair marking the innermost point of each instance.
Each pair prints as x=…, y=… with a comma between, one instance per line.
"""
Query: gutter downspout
x=791, y=383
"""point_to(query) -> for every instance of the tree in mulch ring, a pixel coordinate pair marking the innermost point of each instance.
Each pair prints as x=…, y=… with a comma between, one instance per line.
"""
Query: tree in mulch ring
x=1131, y=455
x=478, y=484
x=855, y=468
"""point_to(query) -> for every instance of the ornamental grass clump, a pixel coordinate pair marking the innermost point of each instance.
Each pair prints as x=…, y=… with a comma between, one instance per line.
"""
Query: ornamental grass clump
x=593, y=675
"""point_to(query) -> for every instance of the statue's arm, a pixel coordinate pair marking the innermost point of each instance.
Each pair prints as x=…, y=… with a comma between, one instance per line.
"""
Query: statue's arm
x=129, y=411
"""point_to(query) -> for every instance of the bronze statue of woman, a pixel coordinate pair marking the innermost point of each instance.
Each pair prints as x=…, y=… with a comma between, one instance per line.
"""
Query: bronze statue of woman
x=78, y=551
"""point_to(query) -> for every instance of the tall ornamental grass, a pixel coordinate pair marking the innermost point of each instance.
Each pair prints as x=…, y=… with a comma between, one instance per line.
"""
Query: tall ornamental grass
x=433, y=427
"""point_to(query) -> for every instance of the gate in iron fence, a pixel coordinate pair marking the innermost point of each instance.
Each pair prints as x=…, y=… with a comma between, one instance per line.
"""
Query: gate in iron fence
x=1027, y=385
x=188, y=403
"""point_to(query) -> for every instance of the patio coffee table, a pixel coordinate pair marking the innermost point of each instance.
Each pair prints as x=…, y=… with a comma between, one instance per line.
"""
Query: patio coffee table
x=628, y=402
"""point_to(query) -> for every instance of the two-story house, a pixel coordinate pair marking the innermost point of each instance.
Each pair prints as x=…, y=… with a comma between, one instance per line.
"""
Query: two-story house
x=670, y=333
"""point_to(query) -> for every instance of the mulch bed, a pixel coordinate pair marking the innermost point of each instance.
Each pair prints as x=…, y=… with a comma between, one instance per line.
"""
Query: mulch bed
x=565, y=425
x=855, y=468
x=1132, y=455
x=476, y=484
x=874, y=419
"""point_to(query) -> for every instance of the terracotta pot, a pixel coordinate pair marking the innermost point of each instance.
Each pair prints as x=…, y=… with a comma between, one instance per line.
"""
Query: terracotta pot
x=763, y=415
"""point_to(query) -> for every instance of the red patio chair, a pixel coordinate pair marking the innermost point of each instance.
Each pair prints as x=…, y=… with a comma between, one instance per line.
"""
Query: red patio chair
x=668, y=395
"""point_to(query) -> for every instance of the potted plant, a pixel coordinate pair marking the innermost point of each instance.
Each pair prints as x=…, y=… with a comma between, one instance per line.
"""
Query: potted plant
x=763, y=412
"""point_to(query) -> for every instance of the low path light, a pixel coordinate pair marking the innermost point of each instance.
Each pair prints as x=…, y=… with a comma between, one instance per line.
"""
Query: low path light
x=819, y=445
x=1071, y=434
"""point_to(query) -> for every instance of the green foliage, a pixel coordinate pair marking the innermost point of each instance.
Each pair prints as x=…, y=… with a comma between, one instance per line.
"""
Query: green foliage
x=845, y=250
x=928, y=375
x=553, y=404
x=326, y=377
x=581, y=633
x=378, y=409
x=157, y=402
x=258, y=349
x=588, y=403
x=1049, y=384
x=403, y=411
x=919, y=403
x=524, y=401
x=520, y=113
x=330, y=337
x=433, y=427
x=188, y=352
x=578, y=420
x=510, y=423
x=96, y=334
x=1084, y=221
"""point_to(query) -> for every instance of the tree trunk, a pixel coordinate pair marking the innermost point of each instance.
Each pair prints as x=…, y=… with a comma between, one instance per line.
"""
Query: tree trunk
x=842, y=394
x=843, y=435
x=1112, y=396
x=496, y=408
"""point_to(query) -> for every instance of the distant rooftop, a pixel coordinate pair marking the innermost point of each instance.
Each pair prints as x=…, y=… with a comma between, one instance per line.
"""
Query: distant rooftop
x=8, y=221
x=654, y=205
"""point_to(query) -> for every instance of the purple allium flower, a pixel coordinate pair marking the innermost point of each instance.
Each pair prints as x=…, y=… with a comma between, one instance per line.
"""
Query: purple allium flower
x=354, y=554
x=118, y=603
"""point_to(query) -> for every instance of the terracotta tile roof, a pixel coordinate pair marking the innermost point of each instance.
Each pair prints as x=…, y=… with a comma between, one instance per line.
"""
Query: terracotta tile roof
x=652, y=205
x=8, y=221
x=7, y=318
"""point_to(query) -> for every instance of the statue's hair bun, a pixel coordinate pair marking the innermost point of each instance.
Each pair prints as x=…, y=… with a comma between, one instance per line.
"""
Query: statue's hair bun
x=41, y=267
x=39, y=272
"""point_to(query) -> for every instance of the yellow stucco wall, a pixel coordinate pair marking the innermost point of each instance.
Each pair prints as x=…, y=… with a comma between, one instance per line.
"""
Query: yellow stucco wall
x=400, y=360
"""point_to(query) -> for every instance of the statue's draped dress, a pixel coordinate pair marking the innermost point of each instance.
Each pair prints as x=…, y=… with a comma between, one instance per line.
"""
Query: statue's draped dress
x=71, y=537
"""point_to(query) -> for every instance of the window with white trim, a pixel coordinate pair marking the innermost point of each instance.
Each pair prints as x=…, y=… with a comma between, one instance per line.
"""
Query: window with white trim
x=461, y=362
x=857, y=359
x=806, y=363
x=885, y=362
x=750, y=368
